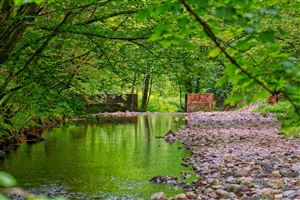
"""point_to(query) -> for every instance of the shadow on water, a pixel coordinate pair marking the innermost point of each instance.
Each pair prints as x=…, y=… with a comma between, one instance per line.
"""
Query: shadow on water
x=105, y=159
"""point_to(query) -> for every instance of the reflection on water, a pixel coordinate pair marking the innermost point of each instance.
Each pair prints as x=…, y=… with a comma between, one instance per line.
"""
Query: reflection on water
x=116, y=159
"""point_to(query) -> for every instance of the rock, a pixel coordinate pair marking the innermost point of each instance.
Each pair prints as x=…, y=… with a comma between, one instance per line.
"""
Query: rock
x=236, y=188
x=2, y=155
x=289, y=173
x=170, y=136
x=16, y=191
x=275, y=174
x=191, y=195
x=185, y=174
x=228, y=158
x=230, y=179
x=180, y=197
x=296, y=167
x=296, y=155
x=212, y=195
x=265, y=193
x=222, y=193
x=267, y=166
x=247, y=181
x=242, y=172
x=34, y=137
x=278, y=183
x=291, y=194
x=278, y=196
x=216, y=187
x=158, y=196
x=164, y=179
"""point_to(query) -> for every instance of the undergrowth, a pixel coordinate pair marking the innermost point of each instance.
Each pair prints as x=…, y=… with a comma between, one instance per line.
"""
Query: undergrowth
x=289, y=120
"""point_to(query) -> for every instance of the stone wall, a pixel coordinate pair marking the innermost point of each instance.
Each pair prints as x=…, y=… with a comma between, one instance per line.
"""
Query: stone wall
x=113, y=103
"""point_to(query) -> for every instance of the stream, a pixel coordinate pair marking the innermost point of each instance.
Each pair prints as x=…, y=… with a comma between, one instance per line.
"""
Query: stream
x=101, y=160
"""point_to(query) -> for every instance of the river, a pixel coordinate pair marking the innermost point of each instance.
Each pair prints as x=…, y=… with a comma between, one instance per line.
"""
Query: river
x=102, y=160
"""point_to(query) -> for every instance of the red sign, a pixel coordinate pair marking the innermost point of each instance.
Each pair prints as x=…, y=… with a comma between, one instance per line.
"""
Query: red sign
x=200, y=102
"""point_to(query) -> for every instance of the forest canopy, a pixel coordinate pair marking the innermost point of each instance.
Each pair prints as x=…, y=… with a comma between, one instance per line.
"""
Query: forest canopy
x=57, y=56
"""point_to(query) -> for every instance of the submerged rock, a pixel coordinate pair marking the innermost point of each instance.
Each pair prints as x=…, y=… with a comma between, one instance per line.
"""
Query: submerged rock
x=170, y=136
x=30, y=137
x=164, y=179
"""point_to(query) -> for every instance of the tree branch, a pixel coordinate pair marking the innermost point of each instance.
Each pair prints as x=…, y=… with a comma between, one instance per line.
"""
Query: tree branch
x=208, y=31
x=34, y=55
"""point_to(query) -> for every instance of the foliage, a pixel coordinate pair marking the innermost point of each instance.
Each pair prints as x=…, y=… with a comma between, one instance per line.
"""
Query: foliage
x=7, y=180
x=284, y=112
x=57, y=56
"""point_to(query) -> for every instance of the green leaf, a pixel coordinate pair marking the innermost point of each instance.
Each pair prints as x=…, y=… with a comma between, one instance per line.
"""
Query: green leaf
x=214, y=53
x=249, y=29
x=7, y=180
x=21, y=2
x=2, y=197
x=270, y=10
x=233, y=99
x=267, y=36
x=224, y=79
x=225, y=12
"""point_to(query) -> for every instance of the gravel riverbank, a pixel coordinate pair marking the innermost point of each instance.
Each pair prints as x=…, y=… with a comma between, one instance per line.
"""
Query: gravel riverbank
x=240, y=155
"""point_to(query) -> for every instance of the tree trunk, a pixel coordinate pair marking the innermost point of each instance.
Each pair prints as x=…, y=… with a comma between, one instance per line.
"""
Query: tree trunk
x=13, y=27
x=145, y=92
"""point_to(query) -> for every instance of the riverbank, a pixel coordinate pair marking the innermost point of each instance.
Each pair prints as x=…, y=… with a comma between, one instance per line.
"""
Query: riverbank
x=29, y=134
x=240, y=155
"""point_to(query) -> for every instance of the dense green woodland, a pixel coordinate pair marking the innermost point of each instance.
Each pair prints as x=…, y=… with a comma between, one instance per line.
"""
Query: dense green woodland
x=57, y=56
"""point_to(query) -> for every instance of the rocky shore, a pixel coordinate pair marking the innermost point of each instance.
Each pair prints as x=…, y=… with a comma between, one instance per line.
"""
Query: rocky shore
x=238, y=155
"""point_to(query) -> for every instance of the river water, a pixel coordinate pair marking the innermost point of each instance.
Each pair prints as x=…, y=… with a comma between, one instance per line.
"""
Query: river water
x=102, y=160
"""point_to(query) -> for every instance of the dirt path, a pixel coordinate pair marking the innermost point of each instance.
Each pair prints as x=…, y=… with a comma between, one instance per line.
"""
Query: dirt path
x=241, y=155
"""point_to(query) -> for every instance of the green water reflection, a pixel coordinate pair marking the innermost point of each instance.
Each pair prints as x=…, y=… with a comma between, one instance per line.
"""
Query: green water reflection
x=116, y=159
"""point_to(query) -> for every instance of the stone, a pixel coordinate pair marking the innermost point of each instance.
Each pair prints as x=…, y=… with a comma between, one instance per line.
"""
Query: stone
x=230, y=179
x=228, y=158
x=278, y=182
x=34, y=137
x=242, y=172
x=275, y=174
x=170, y=136
x=278, y=196
x=267, y=166
x=222, y=193
x=212, y=195
x=247, y=181
x=236, y=188
x=288, y=173
x=16, y=191
x=265, y=193
x=164, y=179
x=296, y=155
x=191, y=195
x=291, y=194
x=180, y=197
x=158, y=196
x=216, y=187
x=296, y=167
